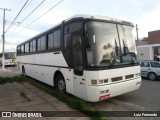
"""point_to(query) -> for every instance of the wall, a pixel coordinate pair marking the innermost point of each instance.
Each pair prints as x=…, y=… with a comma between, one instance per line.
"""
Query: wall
x=154, y=37
x=144, y=53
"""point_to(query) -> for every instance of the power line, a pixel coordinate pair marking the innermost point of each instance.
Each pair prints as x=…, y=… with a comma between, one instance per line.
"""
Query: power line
x=42, y=15
x=17, y=15
x=32, y=12
x=27, y=4
x=28, y=16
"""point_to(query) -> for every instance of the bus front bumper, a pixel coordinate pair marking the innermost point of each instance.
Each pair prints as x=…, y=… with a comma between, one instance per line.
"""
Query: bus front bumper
x=102, y=92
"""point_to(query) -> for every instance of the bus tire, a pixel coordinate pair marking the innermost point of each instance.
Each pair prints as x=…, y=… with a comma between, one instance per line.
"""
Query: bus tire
x=23, y=71
x=60, y=83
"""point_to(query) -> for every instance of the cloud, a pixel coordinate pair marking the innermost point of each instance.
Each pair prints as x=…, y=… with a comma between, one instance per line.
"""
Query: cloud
x=145, y=13
x=149, y=23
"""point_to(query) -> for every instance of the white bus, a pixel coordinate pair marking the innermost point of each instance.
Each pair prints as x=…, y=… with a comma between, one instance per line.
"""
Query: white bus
x=9, y=59
x=91, y=57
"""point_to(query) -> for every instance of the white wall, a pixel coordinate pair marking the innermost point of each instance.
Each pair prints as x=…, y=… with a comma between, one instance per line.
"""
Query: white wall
x=145, y=53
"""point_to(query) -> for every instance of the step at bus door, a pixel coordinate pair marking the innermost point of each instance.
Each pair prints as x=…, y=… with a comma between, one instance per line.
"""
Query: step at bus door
x=79, y=82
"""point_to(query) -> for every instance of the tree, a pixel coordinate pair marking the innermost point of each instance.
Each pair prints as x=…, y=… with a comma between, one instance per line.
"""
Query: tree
x=145, y=38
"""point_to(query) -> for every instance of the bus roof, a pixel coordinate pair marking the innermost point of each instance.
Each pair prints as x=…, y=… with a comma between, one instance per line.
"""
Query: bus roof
x=84, y=16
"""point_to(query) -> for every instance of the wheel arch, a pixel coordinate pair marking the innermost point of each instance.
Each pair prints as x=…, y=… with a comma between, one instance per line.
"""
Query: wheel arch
x=55, y=76
x=23, y=68
x=151, y=72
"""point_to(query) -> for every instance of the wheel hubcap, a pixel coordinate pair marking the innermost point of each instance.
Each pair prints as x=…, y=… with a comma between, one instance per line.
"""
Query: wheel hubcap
x=152, y=76
x=61, y=85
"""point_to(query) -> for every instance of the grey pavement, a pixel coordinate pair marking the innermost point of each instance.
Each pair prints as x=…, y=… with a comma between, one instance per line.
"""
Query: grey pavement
x=8, y=73
x=12, y=100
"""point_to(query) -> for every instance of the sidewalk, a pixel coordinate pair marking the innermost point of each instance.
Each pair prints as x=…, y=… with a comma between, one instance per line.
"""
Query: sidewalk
x=11, y=99
x=8, y=73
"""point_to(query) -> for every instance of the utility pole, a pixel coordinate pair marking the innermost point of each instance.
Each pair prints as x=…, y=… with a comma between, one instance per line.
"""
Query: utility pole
x=3, y=36
x=137, y=33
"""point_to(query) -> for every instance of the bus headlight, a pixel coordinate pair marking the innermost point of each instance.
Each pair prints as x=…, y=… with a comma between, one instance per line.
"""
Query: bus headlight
x=137, y=74
x=94, y=82
x=100, y=81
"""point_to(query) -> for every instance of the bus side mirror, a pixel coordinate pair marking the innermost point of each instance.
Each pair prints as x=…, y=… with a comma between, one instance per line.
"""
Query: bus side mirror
x=87, y=42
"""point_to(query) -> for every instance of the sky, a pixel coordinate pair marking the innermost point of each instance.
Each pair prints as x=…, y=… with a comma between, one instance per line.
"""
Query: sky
x=144, y=13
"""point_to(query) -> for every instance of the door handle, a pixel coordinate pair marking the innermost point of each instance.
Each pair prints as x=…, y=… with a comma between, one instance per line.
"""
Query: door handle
x=149, y=69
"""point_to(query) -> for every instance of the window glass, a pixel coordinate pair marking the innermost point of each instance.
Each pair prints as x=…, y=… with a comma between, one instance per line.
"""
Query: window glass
x=57, y=39
x=26, y=47
x=43, y=43
x=22, y=49
x=77, y=55
x=31, y=47
x=39, y=44
x=75, y=26
x=107, y=45
x=18, y=50
x=103, y=47
x=50, y=41
x=142, y=64
x=67, y=49
x=145, y=64
x=7, y=56
x=34, y=46
x=66, y=29
x=128, y=46
x=12, y=55
x=72, y=27
x=155, y=64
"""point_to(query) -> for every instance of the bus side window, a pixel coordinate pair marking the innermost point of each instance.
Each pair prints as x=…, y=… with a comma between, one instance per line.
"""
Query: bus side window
x=26, y=47
x=43, y=43
x=39, y=44
x=34, y=45
x=76, y=26
x=22, y=49
x=19, y=50
x=50, y=41
x=57, y=39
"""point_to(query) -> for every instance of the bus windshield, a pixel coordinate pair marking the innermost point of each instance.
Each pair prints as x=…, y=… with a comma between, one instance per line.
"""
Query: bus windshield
x=110, y=44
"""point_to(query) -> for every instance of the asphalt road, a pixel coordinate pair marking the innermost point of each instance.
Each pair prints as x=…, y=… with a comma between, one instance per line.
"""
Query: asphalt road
x=147, y=98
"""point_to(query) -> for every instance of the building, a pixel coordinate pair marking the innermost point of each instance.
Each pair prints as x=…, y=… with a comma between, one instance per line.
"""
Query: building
x=150, y=48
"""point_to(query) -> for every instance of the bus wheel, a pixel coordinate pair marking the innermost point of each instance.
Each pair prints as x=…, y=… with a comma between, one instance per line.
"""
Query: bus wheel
x=61, y=85
x=23, y=71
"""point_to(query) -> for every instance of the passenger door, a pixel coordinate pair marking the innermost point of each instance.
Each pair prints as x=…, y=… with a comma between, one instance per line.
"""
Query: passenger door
x=79, y=82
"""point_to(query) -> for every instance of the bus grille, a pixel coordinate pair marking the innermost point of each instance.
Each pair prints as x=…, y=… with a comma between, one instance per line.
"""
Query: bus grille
x=116, y=79
x=129, y=76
